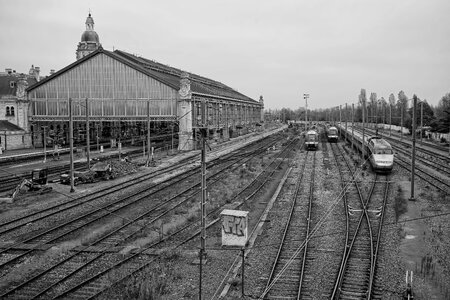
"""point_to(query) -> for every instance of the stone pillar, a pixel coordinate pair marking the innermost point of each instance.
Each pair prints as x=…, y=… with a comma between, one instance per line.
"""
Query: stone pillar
x=216, y=135
x=185, y=114
x=261, y=101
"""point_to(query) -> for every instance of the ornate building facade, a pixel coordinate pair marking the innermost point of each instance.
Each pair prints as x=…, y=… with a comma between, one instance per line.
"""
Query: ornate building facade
x=14, y=126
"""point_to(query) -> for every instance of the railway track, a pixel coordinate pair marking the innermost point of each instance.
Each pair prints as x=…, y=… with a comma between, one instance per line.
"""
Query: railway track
x=406, y=139
x=436, y=181
x=8, y=181
x=100, y=260
x=287, y=276
x=184, y=237
x=356, y=276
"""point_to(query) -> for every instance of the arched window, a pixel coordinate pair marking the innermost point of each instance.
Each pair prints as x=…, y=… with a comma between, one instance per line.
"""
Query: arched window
x=7, y=110
x=12, y=110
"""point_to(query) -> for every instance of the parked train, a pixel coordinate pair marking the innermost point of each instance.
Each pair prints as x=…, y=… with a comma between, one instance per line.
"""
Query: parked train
x=380, y=154
x=377, y=149
x=332, y=134
x=312, y=140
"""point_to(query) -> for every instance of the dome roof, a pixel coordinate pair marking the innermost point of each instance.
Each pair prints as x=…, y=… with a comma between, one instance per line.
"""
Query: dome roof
x=90, y=36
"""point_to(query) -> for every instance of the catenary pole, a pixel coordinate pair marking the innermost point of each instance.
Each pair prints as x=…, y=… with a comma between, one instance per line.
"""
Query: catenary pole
x=353, y=125
x=45, y=144
x=363, y=130
x=421, y=122
x=413, y=154
x=71, y=146
x=148, y=134
x=390, y=119
x=401, y=125
x=88, y=144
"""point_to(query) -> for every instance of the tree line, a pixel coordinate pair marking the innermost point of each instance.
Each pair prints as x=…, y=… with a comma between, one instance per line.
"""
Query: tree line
x=395, y=110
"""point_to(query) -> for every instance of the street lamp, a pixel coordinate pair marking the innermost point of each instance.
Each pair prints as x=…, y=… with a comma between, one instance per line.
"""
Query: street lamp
x=306, y=96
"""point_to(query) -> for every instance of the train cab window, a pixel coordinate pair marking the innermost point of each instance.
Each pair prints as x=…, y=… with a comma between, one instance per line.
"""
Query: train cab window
x=383, y=151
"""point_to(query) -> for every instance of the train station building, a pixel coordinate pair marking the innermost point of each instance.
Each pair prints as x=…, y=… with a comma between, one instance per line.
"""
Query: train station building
x=119, y=94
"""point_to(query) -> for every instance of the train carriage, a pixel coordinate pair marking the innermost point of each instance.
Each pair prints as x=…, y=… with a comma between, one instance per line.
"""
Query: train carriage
x=332, y=134
x=312, y=140
x=380, y=153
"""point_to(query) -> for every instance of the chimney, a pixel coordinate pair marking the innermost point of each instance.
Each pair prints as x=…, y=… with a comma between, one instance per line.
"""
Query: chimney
x=8, y=70
x=52, y=71
x=36, y=73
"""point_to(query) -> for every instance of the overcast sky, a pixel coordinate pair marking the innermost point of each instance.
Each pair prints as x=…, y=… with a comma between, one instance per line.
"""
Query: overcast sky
x=329, y=49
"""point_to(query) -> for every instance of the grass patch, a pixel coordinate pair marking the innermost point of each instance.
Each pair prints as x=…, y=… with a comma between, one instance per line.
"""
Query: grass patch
x=30, y=267
x=151, y=283
x=400, y=203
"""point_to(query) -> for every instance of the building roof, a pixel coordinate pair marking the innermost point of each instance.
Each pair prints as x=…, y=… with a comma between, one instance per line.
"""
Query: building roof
x=199, y=84
x=8, y=126
x=163, y=73
x=5, y=87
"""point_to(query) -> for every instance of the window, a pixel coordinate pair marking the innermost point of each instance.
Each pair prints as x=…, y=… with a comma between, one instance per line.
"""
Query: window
x=10, y=111
x=12, y=84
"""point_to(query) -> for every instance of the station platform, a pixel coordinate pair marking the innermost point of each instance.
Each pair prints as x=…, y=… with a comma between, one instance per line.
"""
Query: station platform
x=35, y=157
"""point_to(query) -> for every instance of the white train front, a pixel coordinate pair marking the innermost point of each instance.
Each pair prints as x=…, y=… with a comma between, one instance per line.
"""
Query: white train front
x=380, y=154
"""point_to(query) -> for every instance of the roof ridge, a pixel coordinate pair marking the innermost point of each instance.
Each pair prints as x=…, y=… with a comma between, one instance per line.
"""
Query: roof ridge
x=160, y=67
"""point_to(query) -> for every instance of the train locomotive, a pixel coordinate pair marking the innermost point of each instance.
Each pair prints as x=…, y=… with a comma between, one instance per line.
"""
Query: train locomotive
x=381, y=155
x=332, y=134
x=311, y=140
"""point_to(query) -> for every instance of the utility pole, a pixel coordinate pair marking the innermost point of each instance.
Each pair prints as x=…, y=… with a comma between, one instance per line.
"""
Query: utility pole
x=203, y=127
x=71, y=146
x=421, y=122
x=88, y=141
x=98, y=148
x=346, y=112
x=306, y=96
x=45, y=144
x=401, y=125
x=149, y=161
x=363, y=130
x=390, y=119
x=353, y=125
x=413, y=155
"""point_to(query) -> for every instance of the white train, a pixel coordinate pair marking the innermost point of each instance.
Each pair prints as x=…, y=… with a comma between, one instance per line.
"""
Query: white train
x=311, y=140
x=332, y=134
x=377, y=149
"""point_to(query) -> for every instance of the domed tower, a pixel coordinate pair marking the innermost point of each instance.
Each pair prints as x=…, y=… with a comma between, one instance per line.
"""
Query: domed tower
x=89, y=39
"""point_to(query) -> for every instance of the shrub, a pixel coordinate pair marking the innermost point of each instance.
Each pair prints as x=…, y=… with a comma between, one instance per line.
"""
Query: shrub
x=400, y=204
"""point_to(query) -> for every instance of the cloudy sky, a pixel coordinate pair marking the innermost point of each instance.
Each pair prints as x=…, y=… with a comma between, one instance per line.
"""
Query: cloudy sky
x=282, y=49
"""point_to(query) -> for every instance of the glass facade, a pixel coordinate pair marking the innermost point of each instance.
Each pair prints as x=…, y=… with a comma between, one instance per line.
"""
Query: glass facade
x=113, y=89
